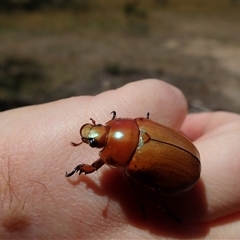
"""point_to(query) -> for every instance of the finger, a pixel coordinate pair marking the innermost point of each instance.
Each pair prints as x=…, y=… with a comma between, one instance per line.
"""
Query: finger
x=165, y=103
x=217, y=138
x=197, y=124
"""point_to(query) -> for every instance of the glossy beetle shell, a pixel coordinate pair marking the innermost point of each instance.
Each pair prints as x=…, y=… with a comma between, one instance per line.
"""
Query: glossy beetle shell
x=167, y=161
x=152, y=154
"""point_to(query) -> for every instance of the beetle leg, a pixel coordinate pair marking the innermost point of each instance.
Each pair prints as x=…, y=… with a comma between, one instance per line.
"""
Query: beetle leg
x=148, y=115
x=86, y=168
x=93, y=122
x=114, y=114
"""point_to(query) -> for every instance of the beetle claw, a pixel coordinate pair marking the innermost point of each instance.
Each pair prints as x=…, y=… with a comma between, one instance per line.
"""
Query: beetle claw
x=69, y=174
x=75, y=170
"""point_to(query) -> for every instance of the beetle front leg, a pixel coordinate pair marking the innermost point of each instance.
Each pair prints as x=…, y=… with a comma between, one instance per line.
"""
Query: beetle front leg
x=86, y=168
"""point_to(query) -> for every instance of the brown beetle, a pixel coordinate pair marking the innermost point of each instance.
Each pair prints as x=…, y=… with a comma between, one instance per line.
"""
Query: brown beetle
x=152, y=154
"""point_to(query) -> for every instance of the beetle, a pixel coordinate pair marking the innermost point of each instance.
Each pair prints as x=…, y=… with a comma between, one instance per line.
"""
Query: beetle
x=154, y=155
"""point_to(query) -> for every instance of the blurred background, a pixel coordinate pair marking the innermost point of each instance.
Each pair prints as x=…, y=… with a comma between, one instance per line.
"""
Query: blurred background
x=53, y=49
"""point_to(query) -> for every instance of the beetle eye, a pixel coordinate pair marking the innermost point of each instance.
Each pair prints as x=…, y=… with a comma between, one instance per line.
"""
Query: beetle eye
x=93, y=142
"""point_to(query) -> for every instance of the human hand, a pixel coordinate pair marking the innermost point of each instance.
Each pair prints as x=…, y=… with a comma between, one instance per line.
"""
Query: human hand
x=37, y=201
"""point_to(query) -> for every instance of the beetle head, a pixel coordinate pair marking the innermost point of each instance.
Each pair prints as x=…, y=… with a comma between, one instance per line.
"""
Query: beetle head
x=94, y=135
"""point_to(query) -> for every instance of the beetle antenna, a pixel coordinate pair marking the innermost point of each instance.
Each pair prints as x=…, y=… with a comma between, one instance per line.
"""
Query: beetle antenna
x=114, y=114
x=76, y=144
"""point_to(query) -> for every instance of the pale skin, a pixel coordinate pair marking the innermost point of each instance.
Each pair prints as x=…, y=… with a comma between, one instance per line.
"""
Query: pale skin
x=38, y=201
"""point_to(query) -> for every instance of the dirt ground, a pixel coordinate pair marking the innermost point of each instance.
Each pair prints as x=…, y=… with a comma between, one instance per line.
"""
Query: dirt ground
x=50, y=55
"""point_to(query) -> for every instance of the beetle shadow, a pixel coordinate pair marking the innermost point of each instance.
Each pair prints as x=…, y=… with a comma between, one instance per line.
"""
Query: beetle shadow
x=233, y=218
x=189, y=206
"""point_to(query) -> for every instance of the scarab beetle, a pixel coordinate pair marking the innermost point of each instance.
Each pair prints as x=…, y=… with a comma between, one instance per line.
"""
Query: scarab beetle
x=152, y=154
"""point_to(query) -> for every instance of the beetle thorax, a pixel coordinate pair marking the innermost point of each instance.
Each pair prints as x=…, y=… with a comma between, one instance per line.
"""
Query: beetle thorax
x=122, y=141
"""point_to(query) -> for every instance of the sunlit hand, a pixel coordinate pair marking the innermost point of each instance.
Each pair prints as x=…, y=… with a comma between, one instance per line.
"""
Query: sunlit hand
x=38, y=201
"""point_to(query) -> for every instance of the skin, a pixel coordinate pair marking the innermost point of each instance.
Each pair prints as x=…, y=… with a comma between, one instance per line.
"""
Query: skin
x=37, y=201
